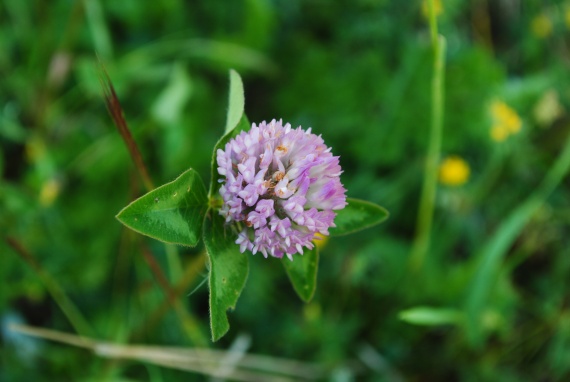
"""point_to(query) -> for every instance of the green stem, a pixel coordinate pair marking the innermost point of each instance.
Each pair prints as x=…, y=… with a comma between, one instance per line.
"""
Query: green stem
x=429, y=187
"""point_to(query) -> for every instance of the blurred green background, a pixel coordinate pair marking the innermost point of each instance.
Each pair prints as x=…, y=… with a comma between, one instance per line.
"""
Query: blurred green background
x=358, y=72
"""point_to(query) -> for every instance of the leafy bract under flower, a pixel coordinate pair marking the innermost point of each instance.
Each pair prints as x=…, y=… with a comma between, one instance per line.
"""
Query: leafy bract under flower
x=282, y=184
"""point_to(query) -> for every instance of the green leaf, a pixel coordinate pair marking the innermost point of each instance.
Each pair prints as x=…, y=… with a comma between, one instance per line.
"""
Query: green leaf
x=236, y=102
x=235, y=123
x=429, y=316
x=228, y=271
x=172, y=213
x=243, y=125
x=302, y=272
x=356, y=216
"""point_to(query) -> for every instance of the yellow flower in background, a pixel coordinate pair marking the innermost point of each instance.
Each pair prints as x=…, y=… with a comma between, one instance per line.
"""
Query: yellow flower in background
x=506, y=121
x=438, y=8
x=548, y=109
x=454, y=171
x=567, y=18
x=541, y=26
x=506, y=116
x=499, y=133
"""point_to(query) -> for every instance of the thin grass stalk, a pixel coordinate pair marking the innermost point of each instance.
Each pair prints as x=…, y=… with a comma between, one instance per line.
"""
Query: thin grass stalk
x=188, y=323
x=116, y=112
x=251, y=367
x=69, y=309
x=421, y=242
x=188, y=277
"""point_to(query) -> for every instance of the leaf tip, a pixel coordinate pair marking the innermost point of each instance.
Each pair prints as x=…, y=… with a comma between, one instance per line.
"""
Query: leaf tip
x=386, y=215
x=216, y=336
x=119, y=216
x=307, y=299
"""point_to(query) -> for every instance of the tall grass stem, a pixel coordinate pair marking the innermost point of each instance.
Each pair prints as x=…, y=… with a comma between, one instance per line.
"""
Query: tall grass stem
x=69, y=309
x=421, y=242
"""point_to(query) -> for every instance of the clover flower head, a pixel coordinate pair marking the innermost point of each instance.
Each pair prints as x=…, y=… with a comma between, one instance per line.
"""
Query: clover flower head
x=283, y=185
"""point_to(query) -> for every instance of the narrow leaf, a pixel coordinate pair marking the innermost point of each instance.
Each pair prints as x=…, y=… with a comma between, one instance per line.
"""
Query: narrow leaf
x=302, y=272
x=493, y=252
x=429, y=316
x=228, y=271
x=243, y=125
x=356, y=216
x=235, y=123
x=172, y=213
x=236, y=102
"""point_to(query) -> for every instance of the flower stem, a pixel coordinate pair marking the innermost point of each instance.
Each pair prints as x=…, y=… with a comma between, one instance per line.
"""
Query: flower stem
x=427, y=201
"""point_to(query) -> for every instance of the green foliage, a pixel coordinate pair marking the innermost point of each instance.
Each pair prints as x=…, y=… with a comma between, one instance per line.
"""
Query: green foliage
x=236, y=102
x=357, y=72
x=357, y=215
x=236, y=122
x=425, y=315
x=303, y=273
x=172, y=213
x=228, y=271
x=496, y=248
